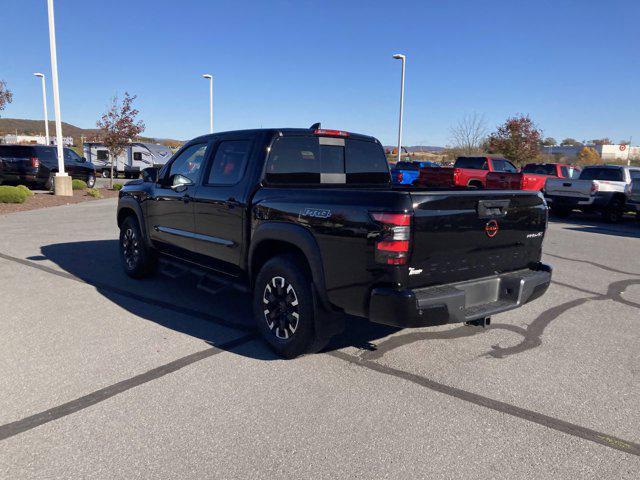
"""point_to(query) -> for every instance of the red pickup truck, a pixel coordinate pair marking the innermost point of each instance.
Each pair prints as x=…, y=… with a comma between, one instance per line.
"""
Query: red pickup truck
x=533, y=176
x=466, y=172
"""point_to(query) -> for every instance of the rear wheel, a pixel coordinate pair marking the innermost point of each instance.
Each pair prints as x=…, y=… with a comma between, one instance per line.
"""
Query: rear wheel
x=614, y=212
x=48, y=185
x=106, y=173
x=560, y=212
x=138, y=260
x=284, y=307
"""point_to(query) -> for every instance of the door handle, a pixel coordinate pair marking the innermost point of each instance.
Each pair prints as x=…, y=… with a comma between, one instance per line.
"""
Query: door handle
x=186, y=198
x=232, y=203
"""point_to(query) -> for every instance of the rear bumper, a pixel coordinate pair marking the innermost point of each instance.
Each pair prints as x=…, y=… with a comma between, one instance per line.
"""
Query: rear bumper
x=599, y=200
x=458, y=302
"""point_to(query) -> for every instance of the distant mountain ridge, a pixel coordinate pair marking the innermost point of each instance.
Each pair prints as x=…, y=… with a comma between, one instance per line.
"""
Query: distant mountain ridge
x=36, y=127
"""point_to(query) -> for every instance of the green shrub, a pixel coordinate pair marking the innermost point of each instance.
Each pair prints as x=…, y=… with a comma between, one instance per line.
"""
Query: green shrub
x=94, y=192
x=26, y=190
x=78, y=184
x=118, y=186
x=12, y=194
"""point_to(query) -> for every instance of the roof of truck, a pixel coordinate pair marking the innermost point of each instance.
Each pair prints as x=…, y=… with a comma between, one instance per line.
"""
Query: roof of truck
x=286, y=131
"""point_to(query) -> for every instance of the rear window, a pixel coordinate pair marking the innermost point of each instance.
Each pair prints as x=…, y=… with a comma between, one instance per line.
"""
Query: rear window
x=16, y=151
x=475, y=163
x=611, y=174
x=315, y=160
x=542, y=169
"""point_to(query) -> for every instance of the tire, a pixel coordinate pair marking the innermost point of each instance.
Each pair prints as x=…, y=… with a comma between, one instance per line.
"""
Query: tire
x=49, y=184
x=561, y=212
x=475, y=185
x=285, y=309
x=138, y=260
x=106, y=173
x=614, y=212
x=91, y=181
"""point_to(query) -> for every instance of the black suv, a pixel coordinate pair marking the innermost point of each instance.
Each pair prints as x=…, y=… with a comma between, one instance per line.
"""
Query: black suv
x=38, y=164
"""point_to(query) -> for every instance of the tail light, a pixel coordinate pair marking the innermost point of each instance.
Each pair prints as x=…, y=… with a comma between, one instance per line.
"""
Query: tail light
x=456, y=175
x=35, y=163
x=400, y=177
x=524, y=182
x=594, y=188
x=392, y=247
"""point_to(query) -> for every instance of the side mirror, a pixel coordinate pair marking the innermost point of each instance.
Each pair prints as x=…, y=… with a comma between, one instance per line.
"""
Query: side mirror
x=179, y=183
x=150, y=175
x=84, y=159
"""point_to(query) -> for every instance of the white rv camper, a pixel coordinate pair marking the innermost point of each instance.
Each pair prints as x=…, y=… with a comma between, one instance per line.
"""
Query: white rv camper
x=135, y=158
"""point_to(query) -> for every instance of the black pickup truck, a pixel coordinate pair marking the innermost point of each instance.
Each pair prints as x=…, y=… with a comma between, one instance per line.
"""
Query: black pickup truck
x=310, y=222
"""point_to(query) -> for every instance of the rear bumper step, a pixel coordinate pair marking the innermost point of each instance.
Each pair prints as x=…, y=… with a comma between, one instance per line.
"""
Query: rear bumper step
x=458, y=302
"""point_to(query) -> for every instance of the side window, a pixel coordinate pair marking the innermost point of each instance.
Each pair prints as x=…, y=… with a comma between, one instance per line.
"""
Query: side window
x=71, y=157
x=102, y=155
x=564, y=172
x=229, y=162
x=137, y=156
x=186, y=168
x=635, y=174
x=503, y=166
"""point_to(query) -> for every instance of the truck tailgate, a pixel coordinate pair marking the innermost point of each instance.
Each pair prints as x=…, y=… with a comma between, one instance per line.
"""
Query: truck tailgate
x=460, y=236
x=569, y=188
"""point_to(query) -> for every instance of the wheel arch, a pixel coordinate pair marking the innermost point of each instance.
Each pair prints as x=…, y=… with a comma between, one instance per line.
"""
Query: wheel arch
x=275, y=238
x=129, y=207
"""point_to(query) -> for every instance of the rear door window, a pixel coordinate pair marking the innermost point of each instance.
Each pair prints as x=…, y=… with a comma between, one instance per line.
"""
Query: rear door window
x=503, y=166
x=229, y=162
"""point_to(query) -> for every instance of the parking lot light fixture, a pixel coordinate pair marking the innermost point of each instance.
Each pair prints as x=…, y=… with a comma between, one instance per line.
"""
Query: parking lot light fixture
x=44, y=105
x=399, y=56
x=62, y=182
x=210, y=78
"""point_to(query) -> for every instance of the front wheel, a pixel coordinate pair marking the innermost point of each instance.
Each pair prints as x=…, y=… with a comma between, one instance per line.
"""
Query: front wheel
x=138, y=260
x=284, y=307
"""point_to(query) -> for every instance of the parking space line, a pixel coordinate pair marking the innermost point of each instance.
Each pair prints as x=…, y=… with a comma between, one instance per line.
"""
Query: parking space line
x=14, y=428
x=496, y=405
x=134, y=296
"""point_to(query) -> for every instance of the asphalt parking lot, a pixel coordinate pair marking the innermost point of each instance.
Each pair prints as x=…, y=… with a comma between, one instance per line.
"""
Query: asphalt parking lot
x=106, y=377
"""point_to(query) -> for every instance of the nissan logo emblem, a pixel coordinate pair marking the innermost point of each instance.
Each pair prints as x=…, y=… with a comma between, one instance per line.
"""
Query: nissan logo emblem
x=491, y=228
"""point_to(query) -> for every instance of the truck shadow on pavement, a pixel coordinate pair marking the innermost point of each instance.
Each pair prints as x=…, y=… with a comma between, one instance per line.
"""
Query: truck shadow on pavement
x=592, y=223
x=187, y=302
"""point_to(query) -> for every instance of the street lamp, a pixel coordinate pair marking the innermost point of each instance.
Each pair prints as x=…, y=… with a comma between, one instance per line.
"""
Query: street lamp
x=62, y=182
x=44, y=105
x=210, y=78
x=399, y=56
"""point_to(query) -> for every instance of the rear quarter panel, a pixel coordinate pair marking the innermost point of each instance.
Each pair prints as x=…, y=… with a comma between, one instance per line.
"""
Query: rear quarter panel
x=339, y=221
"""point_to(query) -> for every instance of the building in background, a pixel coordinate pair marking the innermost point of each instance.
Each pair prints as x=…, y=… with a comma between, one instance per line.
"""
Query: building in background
x=34, y=140
x=609, y=153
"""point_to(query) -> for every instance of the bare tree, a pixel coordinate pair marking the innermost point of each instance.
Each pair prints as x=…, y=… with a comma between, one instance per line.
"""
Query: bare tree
x=469, y=134
x=6, y=96
x=118, y=127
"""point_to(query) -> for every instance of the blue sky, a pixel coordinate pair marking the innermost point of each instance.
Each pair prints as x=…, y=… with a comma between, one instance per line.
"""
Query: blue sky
x=572, y=65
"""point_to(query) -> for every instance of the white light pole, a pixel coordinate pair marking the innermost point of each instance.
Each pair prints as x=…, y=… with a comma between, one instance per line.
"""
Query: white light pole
x=62, y=185
x=399, y=56
x=44, y=105
x=210, y=78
